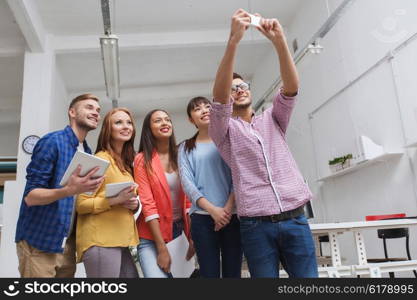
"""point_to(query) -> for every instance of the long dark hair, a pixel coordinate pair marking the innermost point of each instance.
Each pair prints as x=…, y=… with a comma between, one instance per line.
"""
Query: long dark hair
x=125, y=161
x=189, y=144
x=148, y=143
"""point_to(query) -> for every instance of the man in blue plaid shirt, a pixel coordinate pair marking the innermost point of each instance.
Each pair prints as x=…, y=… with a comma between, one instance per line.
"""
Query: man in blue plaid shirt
x=45, y=229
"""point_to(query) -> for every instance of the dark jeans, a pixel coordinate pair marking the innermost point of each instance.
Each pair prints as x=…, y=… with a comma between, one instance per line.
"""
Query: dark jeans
x=210, y=244
x=289, y=242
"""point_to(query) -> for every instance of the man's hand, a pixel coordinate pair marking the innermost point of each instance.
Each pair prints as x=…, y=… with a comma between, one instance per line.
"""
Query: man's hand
x=271, y=28
x=240, y=23
x=78, y=184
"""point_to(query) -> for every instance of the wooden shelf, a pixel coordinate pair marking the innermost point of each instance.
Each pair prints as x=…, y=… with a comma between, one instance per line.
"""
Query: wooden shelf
x=364, y=164
x=413, y=145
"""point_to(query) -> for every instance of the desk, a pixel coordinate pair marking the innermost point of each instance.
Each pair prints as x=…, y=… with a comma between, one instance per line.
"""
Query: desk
x=363, y=267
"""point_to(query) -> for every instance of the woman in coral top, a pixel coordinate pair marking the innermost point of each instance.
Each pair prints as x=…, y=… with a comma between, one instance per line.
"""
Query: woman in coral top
x=164, y=204
x=106, y=226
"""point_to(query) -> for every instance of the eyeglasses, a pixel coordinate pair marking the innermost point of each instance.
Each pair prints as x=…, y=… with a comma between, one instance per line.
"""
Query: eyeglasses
x=242, y=86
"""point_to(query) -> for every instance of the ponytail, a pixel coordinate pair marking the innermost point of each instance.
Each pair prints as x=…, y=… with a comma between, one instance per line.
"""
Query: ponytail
x=189, y=144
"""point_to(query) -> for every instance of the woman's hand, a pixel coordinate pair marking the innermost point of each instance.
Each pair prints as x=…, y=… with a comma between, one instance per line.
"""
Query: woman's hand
x=190, y=251
x=220, y=215
x=131, y=204
x=228, y=208
x=164, y=260
x=217, y=227
x=125, y=195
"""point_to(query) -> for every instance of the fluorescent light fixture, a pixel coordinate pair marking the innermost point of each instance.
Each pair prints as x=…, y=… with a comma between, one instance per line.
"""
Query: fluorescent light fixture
x=110, y=55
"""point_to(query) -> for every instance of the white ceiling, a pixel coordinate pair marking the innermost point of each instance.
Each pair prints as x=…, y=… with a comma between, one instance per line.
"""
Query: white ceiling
x=157, y=78
x=11, y=39
x=81, y=17
x=169, y=50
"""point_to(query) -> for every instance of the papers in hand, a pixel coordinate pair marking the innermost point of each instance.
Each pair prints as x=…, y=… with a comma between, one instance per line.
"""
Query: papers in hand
x=113, y=189
x=87, y=162
x=180, y=267
x=255, y=20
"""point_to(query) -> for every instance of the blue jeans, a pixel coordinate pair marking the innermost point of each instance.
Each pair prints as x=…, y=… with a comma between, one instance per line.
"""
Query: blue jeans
x=289, y=242
x=210, y=244
x=148, y=254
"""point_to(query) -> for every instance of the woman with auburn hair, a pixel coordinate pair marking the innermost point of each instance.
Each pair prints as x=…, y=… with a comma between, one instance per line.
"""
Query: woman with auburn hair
x=164, y=204
x=106, y=226
x=207, y=181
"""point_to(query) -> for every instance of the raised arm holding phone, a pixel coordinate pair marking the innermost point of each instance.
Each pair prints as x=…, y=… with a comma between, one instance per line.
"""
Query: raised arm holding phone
x=269, y=189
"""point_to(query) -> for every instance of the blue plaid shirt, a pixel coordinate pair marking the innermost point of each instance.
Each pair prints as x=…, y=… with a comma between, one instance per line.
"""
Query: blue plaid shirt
x=45, y=226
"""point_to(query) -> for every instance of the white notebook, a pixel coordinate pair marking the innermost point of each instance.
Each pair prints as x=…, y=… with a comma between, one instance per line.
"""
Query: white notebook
x=113, y=189
x=87, y=162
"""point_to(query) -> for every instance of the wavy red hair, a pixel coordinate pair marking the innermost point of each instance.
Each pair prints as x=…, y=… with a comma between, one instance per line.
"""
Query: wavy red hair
x=125, y=161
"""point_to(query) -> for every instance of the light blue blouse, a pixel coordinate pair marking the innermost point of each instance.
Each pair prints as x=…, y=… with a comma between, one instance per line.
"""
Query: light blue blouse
x=203, y=173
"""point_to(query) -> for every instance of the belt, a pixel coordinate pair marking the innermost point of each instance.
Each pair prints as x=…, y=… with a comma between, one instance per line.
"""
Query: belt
x=286, y=215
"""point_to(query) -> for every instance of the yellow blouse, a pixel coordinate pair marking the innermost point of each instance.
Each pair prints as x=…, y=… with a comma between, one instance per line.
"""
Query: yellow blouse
x=98, y=223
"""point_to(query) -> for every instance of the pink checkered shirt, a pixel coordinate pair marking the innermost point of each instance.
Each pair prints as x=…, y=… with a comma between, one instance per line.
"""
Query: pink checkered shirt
x=266, y=179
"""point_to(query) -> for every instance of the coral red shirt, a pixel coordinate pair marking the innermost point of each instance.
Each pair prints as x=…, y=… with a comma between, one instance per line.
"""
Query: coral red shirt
x=156, y=200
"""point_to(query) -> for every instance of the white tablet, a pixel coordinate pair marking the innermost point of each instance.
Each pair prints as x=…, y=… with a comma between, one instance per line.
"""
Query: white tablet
x=113, y=189
x=87, y=162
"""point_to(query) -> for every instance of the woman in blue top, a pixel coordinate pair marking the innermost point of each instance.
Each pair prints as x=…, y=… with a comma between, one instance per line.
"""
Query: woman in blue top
x=207, y=181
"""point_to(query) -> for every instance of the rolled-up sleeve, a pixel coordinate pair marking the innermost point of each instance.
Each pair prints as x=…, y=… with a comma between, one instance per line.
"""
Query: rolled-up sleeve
x=93, y=204
x=187, y=176
x=282, y=108
x=40, y=170
x=219, y=121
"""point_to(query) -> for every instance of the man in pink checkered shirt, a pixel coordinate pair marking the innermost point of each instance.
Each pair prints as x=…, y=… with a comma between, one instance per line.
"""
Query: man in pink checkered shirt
x=270, y=190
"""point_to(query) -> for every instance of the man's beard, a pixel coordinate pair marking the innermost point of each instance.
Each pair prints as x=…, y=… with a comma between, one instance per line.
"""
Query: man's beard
x=241, y=106
x=84, y=125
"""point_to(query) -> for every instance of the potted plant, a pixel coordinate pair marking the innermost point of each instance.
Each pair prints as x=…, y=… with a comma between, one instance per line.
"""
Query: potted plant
x=340, y=163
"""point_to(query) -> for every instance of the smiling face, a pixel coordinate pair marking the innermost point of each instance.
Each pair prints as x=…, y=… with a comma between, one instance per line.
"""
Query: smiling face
x=161, y=125
x=121, y=127
x=242, y=99
x=86, y=114
x=200, y=115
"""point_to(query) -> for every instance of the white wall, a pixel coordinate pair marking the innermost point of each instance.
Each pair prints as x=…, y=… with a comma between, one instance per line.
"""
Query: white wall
x=59, y=103
x=381, y=105
x=42, y=87
x=9, y=135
